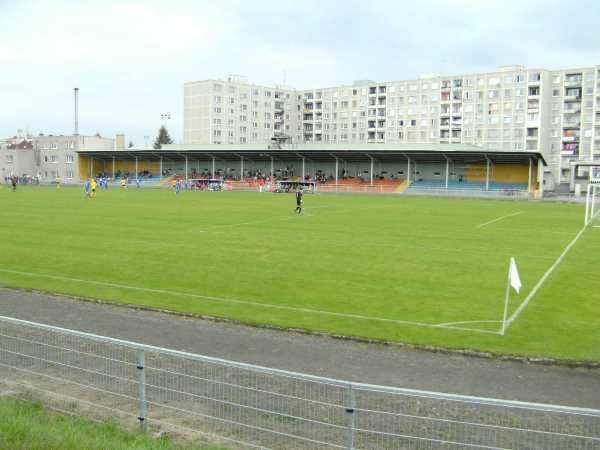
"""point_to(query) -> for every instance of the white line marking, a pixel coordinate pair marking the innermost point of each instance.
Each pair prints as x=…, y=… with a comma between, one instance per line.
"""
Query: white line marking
x=499, y=218
x=539, y=284
x=243, y=302
x=595, y=226
x=470, y=321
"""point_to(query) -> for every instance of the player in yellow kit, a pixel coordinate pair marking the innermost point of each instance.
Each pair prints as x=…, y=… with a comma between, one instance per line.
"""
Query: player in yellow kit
x=94, y=185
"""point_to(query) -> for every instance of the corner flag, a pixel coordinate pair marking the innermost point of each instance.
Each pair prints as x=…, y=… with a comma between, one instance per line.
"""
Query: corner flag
x=515, y=280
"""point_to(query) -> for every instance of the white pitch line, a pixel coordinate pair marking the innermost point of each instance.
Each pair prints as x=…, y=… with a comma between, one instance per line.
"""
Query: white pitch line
x=499, y=218
x=469, y=321
x=540, y=283
x=243, y=302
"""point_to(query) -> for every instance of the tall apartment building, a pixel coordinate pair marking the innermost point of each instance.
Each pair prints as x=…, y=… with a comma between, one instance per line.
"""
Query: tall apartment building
x=555, y=112
x=48, y=156
x=234, y=111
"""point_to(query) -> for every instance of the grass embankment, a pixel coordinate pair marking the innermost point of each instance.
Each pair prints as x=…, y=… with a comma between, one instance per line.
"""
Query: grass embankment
x=29, y=426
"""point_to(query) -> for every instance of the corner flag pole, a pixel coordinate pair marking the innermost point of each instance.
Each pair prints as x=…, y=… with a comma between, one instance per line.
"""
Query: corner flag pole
x=514, y=280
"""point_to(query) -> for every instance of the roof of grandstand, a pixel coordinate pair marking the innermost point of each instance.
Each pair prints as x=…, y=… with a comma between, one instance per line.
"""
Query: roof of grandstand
x=325, y=152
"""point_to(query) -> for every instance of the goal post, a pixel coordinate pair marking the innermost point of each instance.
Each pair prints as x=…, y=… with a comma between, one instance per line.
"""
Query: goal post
x=592, y=203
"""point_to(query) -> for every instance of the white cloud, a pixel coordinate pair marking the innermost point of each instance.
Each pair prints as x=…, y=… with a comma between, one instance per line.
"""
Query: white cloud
x=130, y=58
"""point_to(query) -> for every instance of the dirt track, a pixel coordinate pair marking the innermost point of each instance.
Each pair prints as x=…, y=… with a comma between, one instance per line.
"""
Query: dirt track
x=370, y=363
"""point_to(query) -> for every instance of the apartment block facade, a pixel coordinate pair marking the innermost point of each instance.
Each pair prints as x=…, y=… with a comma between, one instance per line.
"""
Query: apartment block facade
x=555, y=112
x=48, y=156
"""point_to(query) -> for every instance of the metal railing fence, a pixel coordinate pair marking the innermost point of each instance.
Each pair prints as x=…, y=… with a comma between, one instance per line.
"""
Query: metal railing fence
x=246, y=406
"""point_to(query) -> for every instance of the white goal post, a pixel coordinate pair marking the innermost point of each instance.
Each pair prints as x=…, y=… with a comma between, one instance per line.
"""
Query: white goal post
x=592, y=202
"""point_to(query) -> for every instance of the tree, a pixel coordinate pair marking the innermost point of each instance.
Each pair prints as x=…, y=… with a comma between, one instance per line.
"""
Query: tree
x=130, y=144
x=162, y=138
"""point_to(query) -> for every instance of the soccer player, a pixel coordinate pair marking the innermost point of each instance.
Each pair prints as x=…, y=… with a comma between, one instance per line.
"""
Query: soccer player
x=299, y=200
x=87, y=187
x=178, y=186
x=93, y=185
x=13, y=181
x=123, y=183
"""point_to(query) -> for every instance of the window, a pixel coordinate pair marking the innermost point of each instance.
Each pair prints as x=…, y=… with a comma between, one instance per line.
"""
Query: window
x=69, y=174
x=555, y=92
x=10, y=159
x=69, y=158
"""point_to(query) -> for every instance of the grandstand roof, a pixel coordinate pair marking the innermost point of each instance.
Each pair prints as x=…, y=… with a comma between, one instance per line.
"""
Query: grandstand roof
x=324, y=152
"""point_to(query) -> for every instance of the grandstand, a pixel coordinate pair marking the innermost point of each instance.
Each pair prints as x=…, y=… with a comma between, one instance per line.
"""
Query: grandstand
x=409, y=168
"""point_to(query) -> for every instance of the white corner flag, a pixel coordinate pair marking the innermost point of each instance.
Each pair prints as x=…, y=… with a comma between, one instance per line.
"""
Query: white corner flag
x=515, y=280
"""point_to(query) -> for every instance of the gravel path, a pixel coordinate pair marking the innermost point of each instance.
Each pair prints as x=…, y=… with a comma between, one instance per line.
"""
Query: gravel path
x=369, y=363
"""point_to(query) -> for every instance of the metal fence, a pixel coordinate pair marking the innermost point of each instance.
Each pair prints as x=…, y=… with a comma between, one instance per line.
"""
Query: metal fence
x=245, y=406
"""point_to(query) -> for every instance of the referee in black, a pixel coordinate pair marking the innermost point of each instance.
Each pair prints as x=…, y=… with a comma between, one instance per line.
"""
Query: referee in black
x=299, y=200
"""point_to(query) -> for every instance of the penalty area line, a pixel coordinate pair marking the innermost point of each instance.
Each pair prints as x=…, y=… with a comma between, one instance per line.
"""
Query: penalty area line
x=499, y=218
x=243, y=302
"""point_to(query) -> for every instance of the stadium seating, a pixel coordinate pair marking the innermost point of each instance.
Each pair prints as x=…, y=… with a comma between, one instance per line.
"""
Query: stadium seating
x=467, y=185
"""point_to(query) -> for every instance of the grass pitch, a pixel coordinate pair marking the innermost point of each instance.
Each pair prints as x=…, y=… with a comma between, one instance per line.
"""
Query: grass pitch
x=29, y=426
x=427, y=271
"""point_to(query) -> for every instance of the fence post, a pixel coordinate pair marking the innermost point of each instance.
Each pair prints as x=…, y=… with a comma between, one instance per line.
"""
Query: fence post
x=351, y=410
x=141, y=363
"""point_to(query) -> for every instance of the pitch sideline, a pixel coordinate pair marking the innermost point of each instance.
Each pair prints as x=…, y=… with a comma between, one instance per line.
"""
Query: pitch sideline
x=251, y=303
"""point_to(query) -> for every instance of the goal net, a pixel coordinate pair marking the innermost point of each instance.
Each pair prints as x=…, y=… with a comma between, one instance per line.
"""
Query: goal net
x=592, y=203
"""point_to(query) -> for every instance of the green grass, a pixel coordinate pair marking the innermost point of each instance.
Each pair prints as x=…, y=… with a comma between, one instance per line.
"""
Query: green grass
x=28, y=426
x=404, y=258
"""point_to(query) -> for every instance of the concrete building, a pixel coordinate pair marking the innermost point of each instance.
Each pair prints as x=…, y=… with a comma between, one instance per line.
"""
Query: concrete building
x=235, y=112
x=555, y=112
x=48, y=156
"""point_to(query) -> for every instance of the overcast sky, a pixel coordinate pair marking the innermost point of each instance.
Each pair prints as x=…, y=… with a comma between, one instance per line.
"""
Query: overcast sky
x=130, y=58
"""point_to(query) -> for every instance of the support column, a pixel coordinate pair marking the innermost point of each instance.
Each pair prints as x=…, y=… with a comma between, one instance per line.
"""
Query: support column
x=487, y=174
x=408, y=170
x=447, y=170
x=91, y=169
x=541, y=176
x=213, y=167
x=186, y=169
x=371, y=171
x=136, y=168
x=241, y=168
x=336, y=171
x=161, y=168
x=303, y=160
x=272, y=169
x=529, y=177
x=573, y=171
x=113, y=167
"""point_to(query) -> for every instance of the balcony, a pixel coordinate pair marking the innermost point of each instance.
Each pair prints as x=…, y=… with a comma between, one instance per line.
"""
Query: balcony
x=572, y=98
x=572, y=83
x=575, y=110
x=570, y=138
x=571, y=125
